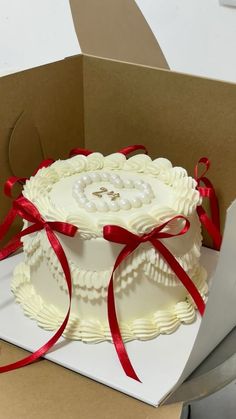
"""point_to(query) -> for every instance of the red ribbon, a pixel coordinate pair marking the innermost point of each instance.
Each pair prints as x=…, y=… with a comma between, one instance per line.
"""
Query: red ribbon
x=26, y=210
x=212, y=223
x=131, y=241
x=8, y=189
x=125, y=150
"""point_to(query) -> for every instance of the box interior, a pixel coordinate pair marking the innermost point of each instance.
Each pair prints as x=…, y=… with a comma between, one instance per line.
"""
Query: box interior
x=41, y=116
x=176, y=116
x=104, y=104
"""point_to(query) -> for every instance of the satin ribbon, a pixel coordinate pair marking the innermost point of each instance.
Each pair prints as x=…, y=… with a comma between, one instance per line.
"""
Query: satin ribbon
x=131, y=241
x=125, y=150
x=8, y=190
x=26, y=210
x=212, y=222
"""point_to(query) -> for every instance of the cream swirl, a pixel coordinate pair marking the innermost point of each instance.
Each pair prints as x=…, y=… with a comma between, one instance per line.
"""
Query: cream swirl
x=158, y=166
x=182, y=188
x=78, y=164
x=137, y=163
x=95, y=161
x=114, y=161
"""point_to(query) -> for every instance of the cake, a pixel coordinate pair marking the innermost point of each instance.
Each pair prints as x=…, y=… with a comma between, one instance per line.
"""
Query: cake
x=91, y=192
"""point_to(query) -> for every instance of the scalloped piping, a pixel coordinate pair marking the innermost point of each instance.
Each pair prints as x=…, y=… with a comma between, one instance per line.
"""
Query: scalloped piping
x=184, y=187
x=92, y=331
x=93, y=284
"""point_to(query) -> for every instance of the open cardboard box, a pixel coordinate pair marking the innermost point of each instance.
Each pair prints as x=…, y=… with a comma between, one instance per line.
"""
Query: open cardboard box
x=97, y=102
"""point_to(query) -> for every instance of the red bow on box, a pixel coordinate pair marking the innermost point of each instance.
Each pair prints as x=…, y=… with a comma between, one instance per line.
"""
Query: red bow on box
x=8, y=188
x=131, y=241
x=212, y=223
x=26, y=210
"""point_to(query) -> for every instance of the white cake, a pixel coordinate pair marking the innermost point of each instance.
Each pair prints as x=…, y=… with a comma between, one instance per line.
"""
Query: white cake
x=90, y=192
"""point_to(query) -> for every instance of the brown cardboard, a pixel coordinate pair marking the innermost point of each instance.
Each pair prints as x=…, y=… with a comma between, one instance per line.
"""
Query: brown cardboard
x=41, y=115
x=116, y=29
x=48, y=390
x=177, y=116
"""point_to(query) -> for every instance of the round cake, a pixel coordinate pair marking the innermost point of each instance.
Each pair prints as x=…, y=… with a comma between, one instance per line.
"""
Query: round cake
x=91, y=192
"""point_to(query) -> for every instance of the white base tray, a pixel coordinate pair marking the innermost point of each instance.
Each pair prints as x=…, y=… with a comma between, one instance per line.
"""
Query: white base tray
x=159, y=363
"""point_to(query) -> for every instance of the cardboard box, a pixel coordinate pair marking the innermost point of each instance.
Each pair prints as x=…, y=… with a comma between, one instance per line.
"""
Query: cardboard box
x=103, y=104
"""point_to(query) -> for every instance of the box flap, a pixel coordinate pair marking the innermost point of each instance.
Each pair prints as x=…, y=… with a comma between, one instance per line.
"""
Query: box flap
x=116, y=29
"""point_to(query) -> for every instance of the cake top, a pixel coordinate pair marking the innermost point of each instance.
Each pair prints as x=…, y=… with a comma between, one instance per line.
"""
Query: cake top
x=137, y=193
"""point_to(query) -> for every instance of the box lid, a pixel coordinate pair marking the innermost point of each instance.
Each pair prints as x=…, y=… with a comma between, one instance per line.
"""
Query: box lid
x=116, y=29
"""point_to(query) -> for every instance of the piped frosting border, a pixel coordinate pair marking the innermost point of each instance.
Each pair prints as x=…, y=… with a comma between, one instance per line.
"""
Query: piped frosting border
x=93, y=331
x=37, y=189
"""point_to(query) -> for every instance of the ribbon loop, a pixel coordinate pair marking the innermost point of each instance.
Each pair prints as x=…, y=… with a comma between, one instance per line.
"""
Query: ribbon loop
x=80, y=151
x=206, y=162
x=8, y=190
x=120, y=235
x=212, y=222
x=131, y=241
x=26, y=210
x=10, y=183
x=13, y=180
x=125, y=150
x=131, y=148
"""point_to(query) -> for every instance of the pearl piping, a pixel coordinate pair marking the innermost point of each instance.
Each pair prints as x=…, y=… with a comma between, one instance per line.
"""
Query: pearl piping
x=144, y=196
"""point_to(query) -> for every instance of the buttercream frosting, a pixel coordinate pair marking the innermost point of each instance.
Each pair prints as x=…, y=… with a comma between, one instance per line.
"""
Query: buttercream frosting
x=90, y=192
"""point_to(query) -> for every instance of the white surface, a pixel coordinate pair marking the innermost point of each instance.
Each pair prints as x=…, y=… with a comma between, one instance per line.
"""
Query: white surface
x=223, y=296
x=158, y=363
x=34, y=32
x=197, y=36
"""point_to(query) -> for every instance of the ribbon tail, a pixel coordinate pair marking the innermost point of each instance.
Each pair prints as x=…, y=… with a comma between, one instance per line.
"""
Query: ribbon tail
x=215, y=212
x=11, y=248
x=7, y=222
x=211, y=228
x=45, y=348
x=113, y=322
x=181, y=274
x=39, y=353
x=15, y=243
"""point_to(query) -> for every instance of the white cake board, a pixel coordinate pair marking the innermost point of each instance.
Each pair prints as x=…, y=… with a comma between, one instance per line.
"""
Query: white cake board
x=161, y=364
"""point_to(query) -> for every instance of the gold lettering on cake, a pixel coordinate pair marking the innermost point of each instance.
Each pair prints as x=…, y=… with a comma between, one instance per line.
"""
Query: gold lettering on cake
x=113, y=195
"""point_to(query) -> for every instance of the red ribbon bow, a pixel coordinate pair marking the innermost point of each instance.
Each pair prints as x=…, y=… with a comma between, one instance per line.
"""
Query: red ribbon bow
x=125, y=150
x=8, y=189
x=212, y=223
x=131, y=241
x=26, y=210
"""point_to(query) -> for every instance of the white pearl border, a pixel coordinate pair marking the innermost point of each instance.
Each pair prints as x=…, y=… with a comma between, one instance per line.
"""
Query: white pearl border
x=144, y=196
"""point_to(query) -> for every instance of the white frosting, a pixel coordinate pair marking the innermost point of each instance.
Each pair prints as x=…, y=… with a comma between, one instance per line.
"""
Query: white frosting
x=91, y=192
x=174, y=192
x=105, y=192
x=94, y=330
